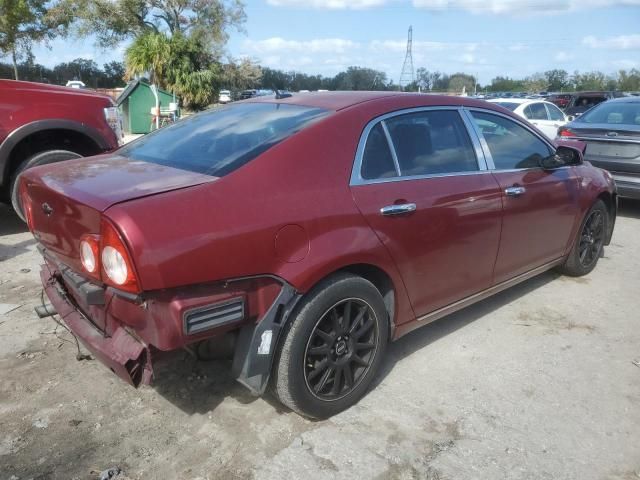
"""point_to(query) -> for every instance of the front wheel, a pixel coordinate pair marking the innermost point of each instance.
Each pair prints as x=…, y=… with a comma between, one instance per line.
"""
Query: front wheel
x=41, y=158
x=589, y=243
x=333, y=347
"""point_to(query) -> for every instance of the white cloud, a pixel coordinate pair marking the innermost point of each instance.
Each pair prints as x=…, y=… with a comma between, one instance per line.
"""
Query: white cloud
x=328, y=4
x=562, y=56
x=517, y=47
x=321, y=45
x=519, y=7
x=625, y=64
x=622, y=42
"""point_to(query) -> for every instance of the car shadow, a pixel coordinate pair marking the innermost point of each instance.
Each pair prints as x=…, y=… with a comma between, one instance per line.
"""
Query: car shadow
x=424, y=336
x=10, y=223
x=629, y=208
x=196, y=386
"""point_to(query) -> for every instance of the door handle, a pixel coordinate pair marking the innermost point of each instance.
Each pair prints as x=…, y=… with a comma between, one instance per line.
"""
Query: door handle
x=398, y=209
x=514, y=191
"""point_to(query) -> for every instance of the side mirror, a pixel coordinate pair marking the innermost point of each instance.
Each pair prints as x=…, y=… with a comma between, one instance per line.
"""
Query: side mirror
x=564, y=157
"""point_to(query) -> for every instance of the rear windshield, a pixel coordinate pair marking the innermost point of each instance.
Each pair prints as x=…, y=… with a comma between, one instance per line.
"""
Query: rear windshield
x=219, y=141
x=508, y=105
x=615, y=113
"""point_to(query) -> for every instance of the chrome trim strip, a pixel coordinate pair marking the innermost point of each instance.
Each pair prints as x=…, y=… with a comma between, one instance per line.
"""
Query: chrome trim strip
x=460, y=304
x=605, y=140
x=392, y=147
x=356, y=176
x=484, y=146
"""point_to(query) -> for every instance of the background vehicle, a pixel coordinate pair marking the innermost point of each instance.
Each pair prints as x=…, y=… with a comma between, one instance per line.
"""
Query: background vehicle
x=582, y=101
x=611, y=131
x=75, y=84
x=544, y=115
x=224, y=96
x=560, y=100
x=428, y=204
x=42, y=124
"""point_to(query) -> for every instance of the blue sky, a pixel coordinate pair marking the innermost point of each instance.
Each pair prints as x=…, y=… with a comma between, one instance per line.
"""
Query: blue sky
x=482, y=37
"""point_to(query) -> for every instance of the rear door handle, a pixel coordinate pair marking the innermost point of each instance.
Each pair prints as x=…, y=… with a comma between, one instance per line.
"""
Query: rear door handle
x=514, y=191
x=398, y=209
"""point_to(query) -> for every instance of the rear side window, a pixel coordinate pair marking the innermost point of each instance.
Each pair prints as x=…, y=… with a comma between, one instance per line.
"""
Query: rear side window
x=535, y=111
x=431, y=142
x=219, y=141
x=614, y=113
x=588, y=101
x=377, y=161
x=511, y=145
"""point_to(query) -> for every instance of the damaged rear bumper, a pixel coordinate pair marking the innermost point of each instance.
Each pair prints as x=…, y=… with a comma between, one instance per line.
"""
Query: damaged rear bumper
x=125, y=355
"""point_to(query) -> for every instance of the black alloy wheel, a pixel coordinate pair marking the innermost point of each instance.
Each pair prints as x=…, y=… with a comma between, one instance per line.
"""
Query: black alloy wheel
x=591, y=239
x=341, y=349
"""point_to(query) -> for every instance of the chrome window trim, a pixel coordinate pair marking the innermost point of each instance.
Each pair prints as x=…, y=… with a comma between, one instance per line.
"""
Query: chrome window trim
x=356, y=170
x=485, y=145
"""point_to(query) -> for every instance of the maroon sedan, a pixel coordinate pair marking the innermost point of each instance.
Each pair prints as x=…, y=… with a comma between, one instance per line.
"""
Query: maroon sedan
x=315, y=229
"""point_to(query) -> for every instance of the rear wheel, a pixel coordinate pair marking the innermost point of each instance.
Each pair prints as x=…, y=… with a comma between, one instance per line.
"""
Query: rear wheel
x=589, y=244
x=332, y=348
x=42, y=158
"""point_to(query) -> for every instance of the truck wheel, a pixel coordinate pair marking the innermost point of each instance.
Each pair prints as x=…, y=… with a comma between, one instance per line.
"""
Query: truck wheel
x=42, y=158
x=332, y=348
x=589, y=243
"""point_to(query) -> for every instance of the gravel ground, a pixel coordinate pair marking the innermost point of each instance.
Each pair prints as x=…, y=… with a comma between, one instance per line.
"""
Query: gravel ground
x=538, y=382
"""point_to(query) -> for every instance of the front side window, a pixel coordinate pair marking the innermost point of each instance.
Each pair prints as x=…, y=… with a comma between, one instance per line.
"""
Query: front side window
x=554, y=113
x=535, y=111
x=219, y=141
x=511, y=145
x=431, y=142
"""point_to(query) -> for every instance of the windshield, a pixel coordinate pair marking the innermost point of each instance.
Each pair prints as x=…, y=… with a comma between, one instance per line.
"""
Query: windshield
x=508, y=105
x=219, y=141
x=615, y=113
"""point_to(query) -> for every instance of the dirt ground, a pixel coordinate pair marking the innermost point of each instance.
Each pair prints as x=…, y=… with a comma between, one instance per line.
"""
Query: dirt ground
x=538, y=382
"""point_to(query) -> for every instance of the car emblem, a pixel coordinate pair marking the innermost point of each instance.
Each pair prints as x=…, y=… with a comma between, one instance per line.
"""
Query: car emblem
x=46, y=208
x=612, y=134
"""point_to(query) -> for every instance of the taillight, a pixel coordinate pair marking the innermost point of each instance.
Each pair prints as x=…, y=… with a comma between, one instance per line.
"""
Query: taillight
x=565, y=132
x=90, y=254
x=25, y=201
x=117, y=267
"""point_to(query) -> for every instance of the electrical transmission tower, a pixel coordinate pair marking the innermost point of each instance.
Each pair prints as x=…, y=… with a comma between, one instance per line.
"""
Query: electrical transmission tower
x=407, y=76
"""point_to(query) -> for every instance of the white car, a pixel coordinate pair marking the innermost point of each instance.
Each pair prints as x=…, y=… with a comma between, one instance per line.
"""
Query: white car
x=544, y=115
x=224, y=96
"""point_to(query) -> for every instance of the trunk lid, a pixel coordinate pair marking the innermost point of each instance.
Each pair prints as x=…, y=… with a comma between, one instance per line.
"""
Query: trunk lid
x=67, y=199
x=613, y=147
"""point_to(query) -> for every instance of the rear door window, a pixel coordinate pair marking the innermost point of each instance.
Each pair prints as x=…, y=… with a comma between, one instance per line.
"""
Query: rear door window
x=219, y=141
x=431, y=142
x=536, y=111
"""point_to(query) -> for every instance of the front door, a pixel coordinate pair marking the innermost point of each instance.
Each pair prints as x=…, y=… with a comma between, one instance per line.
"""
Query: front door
x=419, y=185
x=540, y=206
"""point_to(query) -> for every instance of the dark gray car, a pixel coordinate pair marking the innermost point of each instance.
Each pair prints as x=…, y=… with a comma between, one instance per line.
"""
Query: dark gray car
x=611, y=131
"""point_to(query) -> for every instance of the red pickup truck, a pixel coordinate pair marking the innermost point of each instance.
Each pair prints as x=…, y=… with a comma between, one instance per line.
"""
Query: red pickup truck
x=42, y=124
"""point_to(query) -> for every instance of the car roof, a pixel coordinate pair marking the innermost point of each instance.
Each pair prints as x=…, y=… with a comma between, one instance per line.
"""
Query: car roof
x=630, y=99
x=345, y=99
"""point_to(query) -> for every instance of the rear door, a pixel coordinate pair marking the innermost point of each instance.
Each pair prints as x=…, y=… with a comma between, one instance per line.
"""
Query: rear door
x=540, y=206
x=537, y=114
x=419, y=183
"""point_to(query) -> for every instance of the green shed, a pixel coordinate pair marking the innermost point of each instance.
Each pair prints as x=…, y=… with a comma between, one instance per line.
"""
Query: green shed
x=136, y=103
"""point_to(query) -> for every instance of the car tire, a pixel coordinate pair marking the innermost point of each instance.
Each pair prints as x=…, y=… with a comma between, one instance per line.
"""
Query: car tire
x=351, y=350
x=589, y=242
x=41, y=158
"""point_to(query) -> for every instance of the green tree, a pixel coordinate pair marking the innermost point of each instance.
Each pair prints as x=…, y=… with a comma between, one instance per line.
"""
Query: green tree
x=629, y=81
x=113, y=21
x=459, y=81
x=25, y=22
x=589, y=81
x=557, y=80
x=114, y=74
